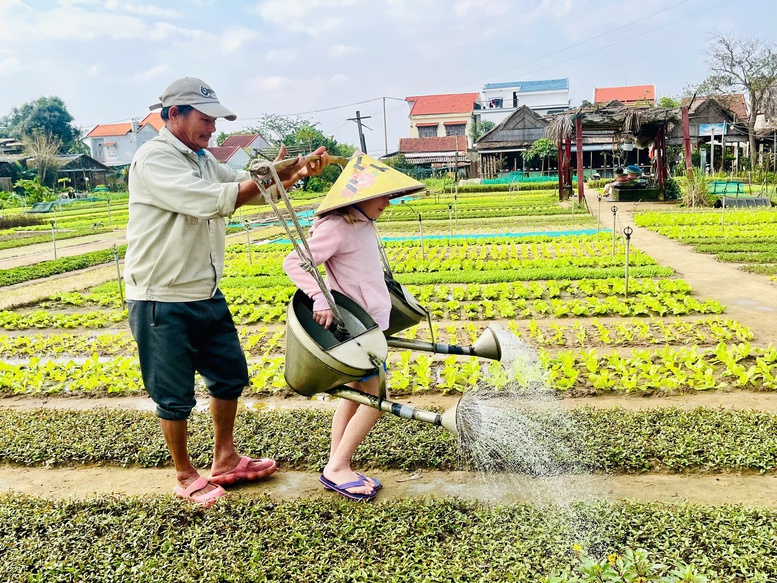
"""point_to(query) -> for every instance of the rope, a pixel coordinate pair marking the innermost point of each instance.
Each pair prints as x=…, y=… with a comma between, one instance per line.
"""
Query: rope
x=264, y=173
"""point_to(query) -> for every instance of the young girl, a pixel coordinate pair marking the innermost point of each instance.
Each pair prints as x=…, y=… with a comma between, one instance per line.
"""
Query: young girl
x=344, y=240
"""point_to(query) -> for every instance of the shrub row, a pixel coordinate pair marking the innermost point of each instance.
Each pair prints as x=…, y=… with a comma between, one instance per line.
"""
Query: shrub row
x=158, y=539
x=56, y=266
x=585, y=439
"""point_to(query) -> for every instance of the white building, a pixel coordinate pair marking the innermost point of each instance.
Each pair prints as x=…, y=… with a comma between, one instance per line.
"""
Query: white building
x=114, y=144
x=501, y=100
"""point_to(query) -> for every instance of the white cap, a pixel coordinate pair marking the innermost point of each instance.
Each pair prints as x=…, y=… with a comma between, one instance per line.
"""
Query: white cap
x=194, y=92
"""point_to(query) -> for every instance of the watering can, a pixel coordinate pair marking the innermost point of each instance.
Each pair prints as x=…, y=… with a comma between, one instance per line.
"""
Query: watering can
x=323, y=363
x=407, y=312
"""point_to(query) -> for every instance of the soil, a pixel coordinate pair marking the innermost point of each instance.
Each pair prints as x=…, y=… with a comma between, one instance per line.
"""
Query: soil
x=749, y=298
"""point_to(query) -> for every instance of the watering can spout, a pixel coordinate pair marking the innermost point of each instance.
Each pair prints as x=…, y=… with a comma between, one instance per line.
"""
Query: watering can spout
x=487, y=346
x=447, y=419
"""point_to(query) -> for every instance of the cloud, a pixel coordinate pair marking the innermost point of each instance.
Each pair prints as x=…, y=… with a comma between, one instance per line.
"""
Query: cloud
x=311, y=17
x=8, y=65
x=154, y=72
x=280, y=56
x=84, y=21
x=273, y=83
x=142, y=9
x=339, y=50
x=234, y=38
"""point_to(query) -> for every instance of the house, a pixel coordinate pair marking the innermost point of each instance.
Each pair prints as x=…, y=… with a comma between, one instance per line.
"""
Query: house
x=720, y=120
x=233, y=156
x=501, y=100
x=84, y=172
x=433, y=116
x=251, y=143
x=435, y=152
x=115, y=144
x=502, y=148
x=628, y=95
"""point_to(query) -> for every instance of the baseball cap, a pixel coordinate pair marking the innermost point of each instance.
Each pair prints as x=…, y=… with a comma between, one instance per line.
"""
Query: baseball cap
x=194, y=92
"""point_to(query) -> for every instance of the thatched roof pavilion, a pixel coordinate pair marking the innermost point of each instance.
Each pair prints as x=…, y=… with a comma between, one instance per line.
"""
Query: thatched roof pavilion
x=625, y=125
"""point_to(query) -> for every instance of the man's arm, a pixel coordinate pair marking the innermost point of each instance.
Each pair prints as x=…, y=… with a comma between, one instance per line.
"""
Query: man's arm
x=248, y=190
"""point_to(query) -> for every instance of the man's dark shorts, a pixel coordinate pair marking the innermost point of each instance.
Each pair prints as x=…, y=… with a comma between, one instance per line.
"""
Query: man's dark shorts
x=175, y=339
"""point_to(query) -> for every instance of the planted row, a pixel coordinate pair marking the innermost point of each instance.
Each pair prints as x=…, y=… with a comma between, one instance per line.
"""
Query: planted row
x=578, y=440
x=432, y=540
x=575, y=372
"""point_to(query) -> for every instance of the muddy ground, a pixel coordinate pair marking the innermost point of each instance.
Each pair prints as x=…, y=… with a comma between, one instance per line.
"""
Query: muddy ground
x=749, y=298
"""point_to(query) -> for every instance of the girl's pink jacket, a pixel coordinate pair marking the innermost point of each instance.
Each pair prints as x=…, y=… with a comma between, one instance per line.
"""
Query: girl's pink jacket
x=351, y=257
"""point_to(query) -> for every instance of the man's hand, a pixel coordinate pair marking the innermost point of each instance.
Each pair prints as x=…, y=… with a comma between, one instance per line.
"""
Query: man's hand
x=303, y=167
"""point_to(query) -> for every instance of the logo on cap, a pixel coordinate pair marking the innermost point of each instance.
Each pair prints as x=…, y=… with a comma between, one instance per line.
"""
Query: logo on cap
x=207, y=92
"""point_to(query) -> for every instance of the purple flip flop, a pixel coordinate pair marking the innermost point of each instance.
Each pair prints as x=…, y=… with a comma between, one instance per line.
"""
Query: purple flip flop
x=342, y=489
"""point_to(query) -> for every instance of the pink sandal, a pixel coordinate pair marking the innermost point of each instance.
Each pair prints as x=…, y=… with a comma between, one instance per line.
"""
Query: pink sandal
x=242, y=471
x=205, y=499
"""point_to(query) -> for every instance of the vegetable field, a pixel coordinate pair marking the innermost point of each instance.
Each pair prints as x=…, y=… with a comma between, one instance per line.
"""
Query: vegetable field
x=664, y=373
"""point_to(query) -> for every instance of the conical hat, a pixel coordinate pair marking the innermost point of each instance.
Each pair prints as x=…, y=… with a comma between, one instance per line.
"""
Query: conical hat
x=365, y=178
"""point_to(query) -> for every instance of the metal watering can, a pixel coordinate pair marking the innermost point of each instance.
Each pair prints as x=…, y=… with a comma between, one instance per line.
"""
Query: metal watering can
x=320, y=360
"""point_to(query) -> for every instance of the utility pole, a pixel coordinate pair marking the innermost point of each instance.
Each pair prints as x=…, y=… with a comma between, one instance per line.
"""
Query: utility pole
x=358, y=119
x=385, y=136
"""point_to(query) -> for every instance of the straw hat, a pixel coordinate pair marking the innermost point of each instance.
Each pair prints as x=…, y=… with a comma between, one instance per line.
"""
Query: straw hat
x=364, y=178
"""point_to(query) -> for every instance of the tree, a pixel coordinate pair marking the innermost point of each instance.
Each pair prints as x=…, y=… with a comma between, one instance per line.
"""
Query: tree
x=43, y=150
x=301, y=136
x=47, y=116
x=668, y=102
x=542, y=149
x=742, y=65
x=480, y=128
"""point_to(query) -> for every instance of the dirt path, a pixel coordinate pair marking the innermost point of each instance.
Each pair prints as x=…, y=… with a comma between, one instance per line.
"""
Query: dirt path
x=80, y=482
x=749, y=298
x=31, y=254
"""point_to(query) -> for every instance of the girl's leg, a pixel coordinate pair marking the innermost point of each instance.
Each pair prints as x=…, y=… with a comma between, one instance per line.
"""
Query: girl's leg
x=345, y=410
x=338, y=469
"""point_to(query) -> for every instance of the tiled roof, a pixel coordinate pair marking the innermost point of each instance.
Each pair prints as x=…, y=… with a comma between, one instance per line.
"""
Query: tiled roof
x=110, y=129
x=240, y=140
x=628, y=94
x=438, y=144
x=734, y=102
x=529, y=86
x=223, y=153
x=154, y=119
x=121, y=129
x=442, y=104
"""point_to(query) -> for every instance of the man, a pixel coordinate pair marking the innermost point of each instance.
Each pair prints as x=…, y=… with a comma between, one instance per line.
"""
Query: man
x=179, y=196
x=634, y=172
x=620, y=178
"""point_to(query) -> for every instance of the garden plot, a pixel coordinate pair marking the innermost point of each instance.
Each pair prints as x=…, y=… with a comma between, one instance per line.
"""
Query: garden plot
x=562, y=295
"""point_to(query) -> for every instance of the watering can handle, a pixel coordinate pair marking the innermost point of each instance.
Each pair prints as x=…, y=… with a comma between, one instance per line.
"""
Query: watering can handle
x=264, y=174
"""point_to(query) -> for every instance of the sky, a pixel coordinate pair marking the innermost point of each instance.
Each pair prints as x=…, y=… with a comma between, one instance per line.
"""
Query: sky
x=324, y=60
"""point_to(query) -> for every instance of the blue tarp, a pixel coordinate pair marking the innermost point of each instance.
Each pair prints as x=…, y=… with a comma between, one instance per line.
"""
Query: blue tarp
x=54, y=205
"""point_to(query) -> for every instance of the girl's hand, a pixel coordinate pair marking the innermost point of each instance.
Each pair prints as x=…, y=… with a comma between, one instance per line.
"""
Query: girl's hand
x=324, y=318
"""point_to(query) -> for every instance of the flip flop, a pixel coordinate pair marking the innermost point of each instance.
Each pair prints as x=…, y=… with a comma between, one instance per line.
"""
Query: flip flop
x=205, y=499
x=376, y=485
x=342, y=489
x=242, y=472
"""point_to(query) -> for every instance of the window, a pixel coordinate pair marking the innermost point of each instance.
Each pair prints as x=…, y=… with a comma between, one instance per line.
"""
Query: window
x=455, y=130
x=427, y=131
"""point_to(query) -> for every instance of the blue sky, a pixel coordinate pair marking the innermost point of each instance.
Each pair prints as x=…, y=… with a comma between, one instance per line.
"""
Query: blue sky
x=325, y=59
